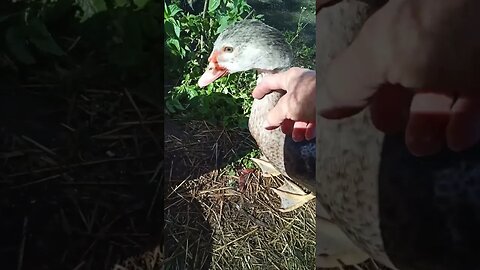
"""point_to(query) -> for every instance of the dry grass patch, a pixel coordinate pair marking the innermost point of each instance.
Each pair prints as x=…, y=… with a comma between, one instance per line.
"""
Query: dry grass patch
x=224, y=217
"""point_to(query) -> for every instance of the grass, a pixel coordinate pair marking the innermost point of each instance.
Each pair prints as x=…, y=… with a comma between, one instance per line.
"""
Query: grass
x=214, y=220
x=218, y=220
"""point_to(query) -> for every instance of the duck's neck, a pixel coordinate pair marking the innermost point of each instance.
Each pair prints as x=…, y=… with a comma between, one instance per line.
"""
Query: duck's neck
x=267, y=139
x=261, y=107
x=261, y=73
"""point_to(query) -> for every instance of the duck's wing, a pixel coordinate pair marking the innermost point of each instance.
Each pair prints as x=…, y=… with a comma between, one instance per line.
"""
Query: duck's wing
x=291, y=195
x=334, y=248
x=295, y=160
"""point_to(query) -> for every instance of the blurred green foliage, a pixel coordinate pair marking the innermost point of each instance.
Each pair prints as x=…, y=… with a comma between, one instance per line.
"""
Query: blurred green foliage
x=83, y=42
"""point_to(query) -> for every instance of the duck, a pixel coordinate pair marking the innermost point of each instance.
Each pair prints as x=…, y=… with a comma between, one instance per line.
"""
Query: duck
x=253, y=45
x=406, y=212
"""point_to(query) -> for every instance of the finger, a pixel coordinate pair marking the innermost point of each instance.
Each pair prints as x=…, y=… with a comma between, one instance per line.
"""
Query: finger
x=287, y=127
x=277, y=114
x=270, y=83
x=429, y=116
x=355, y=75
x=463, y=130
x=390, y=108
x=347, y=86
x=310, y=132
x=299, y=129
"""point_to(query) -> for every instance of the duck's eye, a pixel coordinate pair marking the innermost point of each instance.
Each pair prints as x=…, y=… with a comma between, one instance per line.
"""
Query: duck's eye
x=227, y=49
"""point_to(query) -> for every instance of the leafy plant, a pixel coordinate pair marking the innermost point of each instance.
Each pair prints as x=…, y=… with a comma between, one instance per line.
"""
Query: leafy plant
x=304, y=54
x=244, y=162
x=189, y=40
x=61, y=41
x=25, y=30
x=172, y=30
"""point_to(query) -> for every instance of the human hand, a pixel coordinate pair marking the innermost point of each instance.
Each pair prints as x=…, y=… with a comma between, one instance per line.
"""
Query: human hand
x=415, y=63
x=295, y=111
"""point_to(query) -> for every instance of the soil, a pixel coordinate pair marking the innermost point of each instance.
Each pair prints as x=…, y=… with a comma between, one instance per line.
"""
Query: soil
x=79, y=180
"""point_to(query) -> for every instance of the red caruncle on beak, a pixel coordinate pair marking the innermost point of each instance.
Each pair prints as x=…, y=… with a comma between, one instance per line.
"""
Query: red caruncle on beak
x=213, y=71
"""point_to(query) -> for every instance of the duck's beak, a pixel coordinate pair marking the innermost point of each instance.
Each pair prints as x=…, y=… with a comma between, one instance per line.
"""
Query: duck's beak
x=213, y=71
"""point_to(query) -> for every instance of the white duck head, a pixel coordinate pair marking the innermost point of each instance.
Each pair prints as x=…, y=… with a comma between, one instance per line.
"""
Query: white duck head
x=247, y=45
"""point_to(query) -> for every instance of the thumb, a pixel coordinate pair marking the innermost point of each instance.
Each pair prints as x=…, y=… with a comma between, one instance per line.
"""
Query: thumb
x=355, y=75
x=277, y=115
x=270, y=83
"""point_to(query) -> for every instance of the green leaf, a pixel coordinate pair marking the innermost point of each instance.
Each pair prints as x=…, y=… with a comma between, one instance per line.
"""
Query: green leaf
x=213, y=5
x=166, y=10
x=42, y=39
x=170, y=107
x=90, y=7
x=224, y=22
x=172, y=28
x=99, y=5
x=121, y=3
x=192, y=92
x=178, y=105
x=174, y=9
x=176, y=27
x=174, y=46
x=16, y=39
x=168, y=26
x=141, y=3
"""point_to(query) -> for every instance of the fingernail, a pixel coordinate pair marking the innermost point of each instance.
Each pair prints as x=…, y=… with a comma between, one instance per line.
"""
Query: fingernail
x=310, y=136
x=268, y=126
x=297, y=139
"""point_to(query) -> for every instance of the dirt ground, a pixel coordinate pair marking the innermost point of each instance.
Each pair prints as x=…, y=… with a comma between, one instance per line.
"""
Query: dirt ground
x=80, y=180
x=219, y=217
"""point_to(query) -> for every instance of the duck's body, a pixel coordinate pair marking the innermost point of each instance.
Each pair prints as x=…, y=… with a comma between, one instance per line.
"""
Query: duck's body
x=293, y=159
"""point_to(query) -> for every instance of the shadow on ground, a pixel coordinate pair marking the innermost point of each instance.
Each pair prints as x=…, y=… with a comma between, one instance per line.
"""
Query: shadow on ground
x=188, y=242
x=79, y=180
x=193, y=150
